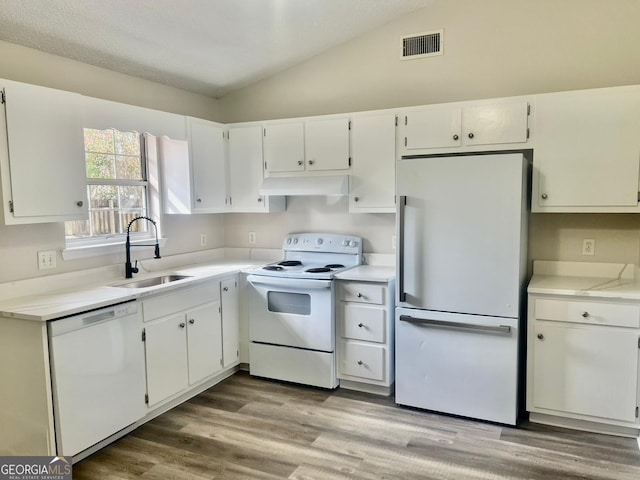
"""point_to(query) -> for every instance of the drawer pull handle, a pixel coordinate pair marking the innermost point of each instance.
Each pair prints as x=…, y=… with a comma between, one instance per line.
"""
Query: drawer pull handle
x=585, y=314
x=226, y=289
x=361, y=325
x=456, y=137
x=182, y=325
x=360, y=362
x=540, y=336
x=360, y=295
x=191, y=321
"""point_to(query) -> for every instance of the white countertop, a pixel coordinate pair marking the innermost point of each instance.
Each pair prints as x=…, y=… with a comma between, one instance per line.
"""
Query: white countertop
x=73, y=300
x=611, y=281
x=368, y=273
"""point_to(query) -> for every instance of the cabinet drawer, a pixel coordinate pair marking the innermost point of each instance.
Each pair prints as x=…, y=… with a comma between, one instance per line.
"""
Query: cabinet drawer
x=363, y=292
x=362, y=360
x=592, y=313
x=361, y=322
x=180, y=300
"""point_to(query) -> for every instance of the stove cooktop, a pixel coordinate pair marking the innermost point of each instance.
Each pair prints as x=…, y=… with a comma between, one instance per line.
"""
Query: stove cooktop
x=315, y=256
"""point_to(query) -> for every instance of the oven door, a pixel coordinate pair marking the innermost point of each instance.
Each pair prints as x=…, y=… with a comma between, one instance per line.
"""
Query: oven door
x=292, y=312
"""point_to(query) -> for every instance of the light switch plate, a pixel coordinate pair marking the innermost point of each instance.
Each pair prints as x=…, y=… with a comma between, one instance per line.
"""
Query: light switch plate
x=46, y=259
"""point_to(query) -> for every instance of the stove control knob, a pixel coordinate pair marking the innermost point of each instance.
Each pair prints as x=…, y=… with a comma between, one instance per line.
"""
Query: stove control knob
x=295, y=241
x=289, y=241
x=319, y=241
x=345, y=243
x=353, y=243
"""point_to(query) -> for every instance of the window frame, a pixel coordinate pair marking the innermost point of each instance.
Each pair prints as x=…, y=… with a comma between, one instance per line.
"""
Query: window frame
x=112, y=243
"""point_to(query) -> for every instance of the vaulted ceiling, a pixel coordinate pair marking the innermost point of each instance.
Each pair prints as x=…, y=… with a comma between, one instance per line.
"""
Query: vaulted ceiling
x=205, y=46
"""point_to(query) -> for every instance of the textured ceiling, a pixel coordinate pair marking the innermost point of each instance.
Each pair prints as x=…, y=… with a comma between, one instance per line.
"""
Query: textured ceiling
x=205, y=46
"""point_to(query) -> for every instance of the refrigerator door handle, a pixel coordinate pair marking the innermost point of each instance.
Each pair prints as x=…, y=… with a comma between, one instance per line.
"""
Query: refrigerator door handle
x=502, y=329
x=402, y=296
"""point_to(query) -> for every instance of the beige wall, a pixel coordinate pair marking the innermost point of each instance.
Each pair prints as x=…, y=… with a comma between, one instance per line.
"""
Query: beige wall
x=493, y=48
x=315, y=214
x=33, y=66
x=19, y=244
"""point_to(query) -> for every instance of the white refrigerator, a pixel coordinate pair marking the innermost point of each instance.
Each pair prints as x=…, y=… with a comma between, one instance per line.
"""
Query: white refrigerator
x=461, y=272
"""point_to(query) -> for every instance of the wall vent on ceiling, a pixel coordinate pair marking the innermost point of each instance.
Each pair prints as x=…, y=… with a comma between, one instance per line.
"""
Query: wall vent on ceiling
x=422, y=45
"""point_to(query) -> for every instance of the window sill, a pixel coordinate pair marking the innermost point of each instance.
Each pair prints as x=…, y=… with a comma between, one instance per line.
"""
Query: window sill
x=97, y=250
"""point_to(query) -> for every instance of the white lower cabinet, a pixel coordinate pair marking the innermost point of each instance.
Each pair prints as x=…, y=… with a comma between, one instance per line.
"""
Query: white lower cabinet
x=204, y=341
x=184, y=346
x=365, y=336
x=166, y=357
x=230, y=299
x=583, y=363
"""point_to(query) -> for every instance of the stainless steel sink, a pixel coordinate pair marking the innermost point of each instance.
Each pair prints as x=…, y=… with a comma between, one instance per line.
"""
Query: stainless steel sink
x=152, y=282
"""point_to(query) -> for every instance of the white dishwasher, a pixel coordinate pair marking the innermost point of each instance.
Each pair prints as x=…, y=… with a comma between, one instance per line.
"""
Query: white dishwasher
x=98, y=376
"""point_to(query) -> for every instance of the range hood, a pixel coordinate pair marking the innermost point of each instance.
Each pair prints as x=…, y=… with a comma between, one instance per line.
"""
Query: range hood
x=325, y=185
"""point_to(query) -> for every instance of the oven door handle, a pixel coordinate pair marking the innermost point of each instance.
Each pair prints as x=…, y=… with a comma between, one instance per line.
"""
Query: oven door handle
x=296, y=283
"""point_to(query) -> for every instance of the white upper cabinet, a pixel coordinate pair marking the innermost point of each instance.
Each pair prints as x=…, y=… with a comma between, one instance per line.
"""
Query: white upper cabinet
x=246, y=172
x=498, y=123
x=42, y=161
x=587, y=151
x=436, y=127
x=327, y=144
x=284, y=147
x=208, y=164
x=470, y=126
x=194, y=173
x=372, y=179
x=316, y=144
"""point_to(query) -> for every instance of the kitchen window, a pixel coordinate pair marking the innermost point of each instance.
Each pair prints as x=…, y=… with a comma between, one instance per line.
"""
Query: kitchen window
x=117, y=189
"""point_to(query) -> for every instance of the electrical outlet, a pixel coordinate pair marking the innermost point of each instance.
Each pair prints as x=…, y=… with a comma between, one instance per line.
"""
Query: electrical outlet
x=46, y=259
x=252, y=238
x=589, y=246
x=203, y=239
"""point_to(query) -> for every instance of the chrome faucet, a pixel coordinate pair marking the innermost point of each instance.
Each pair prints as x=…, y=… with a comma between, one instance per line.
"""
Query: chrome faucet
x=129, y=270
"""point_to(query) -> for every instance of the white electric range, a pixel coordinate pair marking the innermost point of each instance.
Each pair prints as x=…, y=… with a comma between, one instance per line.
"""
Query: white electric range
x=292, y=309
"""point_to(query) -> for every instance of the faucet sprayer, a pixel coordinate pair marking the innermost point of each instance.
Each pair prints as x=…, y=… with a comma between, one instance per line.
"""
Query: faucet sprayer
x=128, y=268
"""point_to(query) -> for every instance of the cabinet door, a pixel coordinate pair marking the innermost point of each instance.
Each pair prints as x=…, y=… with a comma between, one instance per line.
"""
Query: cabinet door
x=245, y=168
x=327, y=144
x=204, y=341
x=230, y=322
x=166, y=355
x=495, y=123
x=173, y=158
x=433, y=127
x=585, y=370
x=47, y=179
x=373, y=166
x=284, y=147
x=587, y=149
x=208, y=166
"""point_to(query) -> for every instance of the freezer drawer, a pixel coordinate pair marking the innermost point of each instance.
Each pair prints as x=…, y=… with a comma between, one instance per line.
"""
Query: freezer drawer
x=460, y=364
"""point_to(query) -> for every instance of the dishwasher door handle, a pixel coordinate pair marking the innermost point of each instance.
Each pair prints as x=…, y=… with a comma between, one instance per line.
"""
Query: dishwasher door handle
x=427, y=322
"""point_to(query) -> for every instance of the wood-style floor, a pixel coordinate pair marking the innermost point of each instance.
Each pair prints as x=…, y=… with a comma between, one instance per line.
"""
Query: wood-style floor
x=247, y=428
